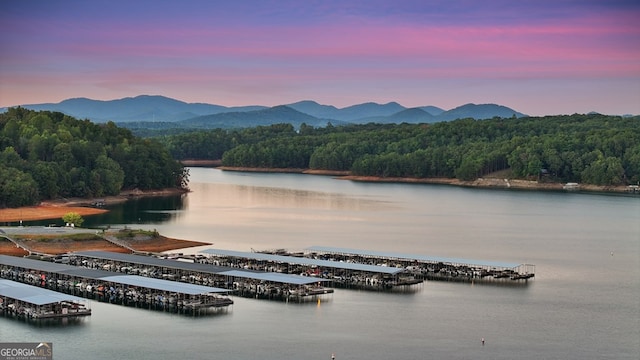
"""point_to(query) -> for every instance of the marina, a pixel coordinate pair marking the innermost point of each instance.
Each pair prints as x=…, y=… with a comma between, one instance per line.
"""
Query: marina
x=35, y=303
x=114, y=288
x=430, y=267
x=244, y=282
x=341, y=274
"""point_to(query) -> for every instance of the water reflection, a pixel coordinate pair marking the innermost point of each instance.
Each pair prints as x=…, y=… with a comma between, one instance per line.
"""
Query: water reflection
x=141, y=211
x=230, y=195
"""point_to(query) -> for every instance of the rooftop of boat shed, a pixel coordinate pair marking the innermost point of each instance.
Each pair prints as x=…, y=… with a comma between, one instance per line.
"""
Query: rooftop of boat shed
x=274, y=277
x=401, y=256
x=33, y=294
x=108, y=276
x=304, y=261
x=152, y=261
x=201, y=268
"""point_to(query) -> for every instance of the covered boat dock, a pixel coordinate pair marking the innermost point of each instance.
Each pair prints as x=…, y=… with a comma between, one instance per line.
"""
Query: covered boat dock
x=341, y=273
x=430, y=267
x=241, y=282
x=107, y=286
x=32, y=302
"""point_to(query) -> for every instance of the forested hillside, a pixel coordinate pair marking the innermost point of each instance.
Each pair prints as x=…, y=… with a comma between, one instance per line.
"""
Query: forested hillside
x=593, y=149
x=47, y=155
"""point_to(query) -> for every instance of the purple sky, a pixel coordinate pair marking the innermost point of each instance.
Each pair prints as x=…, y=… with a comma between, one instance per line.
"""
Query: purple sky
x=539, y=57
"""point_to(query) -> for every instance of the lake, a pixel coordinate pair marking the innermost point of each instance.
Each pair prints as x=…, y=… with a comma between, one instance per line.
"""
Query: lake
x=583, y=303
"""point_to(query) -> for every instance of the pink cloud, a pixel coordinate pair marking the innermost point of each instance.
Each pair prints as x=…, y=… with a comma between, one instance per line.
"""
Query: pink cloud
x=267, y=60
x=591, y=46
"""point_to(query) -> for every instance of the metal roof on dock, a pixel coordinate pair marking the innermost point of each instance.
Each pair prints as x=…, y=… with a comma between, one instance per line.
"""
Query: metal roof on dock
x=201, y=268
x=304, y=261
x=33, y=294
x=108, y=276
x=152, y=261
x=401, y=256
x=164, y=285
x=274, y=277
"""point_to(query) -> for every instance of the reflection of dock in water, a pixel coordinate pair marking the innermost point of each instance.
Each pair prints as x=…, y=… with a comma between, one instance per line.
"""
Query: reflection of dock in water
x=430, y=267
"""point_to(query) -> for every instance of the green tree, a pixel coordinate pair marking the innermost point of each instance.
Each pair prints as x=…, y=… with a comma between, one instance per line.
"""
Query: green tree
x=17, y=188
x=73, y=218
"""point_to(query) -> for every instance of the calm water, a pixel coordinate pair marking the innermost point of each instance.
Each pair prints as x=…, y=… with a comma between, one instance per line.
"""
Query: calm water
x=583, y=304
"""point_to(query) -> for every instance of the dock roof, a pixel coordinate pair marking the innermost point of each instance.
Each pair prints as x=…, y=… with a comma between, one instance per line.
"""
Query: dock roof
x=303, y=261
x=33, y=294
x=33, y=264
x=274, y=277
x=133, y=280
x=164, y=285
x=202, y=268
x=152, y=261
x=394, y=255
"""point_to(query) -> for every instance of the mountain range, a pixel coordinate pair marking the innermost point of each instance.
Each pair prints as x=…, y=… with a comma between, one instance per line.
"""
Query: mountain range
x=166, y=112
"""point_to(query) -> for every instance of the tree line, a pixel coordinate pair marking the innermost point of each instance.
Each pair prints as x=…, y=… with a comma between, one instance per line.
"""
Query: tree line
x=48, y=155
x=594, y=149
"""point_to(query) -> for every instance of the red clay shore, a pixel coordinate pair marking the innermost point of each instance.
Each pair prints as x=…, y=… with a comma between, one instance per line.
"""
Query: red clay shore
x=55, y=209
x=55, y=244
x=58, y=245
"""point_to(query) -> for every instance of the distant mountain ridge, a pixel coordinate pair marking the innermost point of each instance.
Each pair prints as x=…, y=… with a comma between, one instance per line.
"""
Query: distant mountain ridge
x=262, y=117
x=161, y=109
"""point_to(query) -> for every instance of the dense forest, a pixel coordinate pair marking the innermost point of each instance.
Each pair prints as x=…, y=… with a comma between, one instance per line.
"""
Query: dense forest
x=48, y=155
x=594, y=149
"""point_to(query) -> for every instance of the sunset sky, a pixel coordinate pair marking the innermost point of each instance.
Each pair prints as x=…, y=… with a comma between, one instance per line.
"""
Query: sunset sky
x=538, y=57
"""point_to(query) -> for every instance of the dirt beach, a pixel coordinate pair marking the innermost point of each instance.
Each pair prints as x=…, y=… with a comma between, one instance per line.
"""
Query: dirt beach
x=56, y=209
x=44, y=212
x=41, y=242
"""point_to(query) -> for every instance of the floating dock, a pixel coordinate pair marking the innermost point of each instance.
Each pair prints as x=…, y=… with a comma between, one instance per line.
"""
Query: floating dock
x=241, y=282
x=341, y=274
x=31, y=302
x=106, y=286
x=430, y=267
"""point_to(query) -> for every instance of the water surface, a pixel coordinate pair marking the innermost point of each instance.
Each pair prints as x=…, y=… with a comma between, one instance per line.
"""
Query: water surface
x=583, y=303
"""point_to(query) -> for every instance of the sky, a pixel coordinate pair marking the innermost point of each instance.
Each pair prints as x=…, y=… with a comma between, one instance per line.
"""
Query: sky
x=540, y=57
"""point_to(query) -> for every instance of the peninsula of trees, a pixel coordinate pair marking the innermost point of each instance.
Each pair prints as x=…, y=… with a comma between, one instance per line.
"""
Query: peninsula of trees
x=590, y=149
x=48, y=155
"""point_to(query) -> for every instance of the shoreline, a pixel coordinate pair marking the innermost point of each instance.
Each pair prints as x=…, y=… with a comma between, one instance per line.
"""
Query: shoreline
x=60, y=240
x=114, y=199
x=496, y=183
x=55, y=209
x=484, y=183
